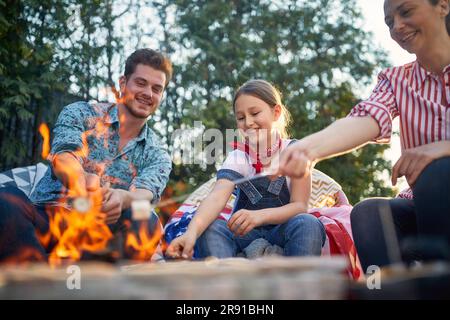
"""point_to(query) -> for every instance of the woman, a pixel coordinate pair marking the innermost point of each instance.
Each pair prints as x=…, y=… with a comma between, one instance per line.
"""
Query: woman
x=419, y=93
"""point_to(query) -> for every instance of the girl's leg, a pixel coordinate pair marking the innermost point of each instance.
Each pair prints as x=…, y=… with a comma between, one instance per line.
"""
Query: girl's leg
x=302, y=235
x=217, y=240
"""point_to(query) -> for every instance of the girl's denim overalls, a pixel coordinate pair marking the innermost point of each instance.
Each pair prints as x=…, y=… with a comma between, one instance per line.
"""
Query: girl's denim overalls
x=301, y=235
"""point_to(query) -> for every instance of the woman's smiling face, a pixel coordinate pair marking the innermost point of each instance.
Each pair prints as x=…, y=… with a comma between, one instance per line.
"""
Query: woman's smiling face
x=413, y=24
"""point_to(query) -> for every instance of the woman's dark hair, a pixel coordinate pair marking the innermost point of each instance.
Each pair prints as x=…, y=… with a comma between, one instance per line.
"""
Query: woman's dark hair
x=447, y=18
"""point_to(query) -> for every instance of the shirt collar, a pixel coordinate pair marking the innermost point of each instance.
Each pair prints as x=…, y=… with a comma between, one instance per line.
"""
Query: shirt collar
x=420, y=74
x=447, y=69
x=143, y=134
x=112, y=117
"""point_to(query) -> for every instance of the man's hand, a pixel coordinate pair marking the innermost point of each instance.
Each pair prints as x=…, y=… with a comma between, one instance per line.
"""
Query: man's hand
x=413, y=161
x=112, y=205
x=244, y=221
x=295, y=161
x=182, y=247
x=94, y=191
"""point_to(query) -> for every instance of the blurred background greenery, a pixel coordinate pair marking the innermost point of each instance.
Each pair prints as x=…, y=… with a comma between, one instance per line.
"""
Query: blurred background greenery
x=315, y=51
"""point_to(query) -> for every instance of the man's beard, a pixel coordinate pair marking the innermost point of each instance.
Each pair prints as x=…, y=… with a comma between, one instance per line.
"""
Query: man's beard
x=133, y=112
x=136, y=114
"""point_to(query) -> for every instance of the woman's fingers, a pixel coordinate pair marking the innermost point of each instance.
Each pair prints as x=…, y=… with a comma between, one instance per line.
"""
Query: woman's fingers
x=396, y=170
x=294, y=161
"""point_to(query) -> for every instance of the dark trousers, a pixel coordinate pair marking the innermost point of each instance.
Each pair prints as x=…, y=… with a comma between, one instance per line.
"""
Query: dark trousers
x=422, y=225
x=20, y=219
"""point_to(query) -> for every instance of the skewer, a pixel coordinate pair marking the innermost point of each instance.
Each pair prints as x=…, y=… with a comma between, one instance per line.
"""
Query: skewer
x=256, y=176
x=142, y=208
x=390, y=236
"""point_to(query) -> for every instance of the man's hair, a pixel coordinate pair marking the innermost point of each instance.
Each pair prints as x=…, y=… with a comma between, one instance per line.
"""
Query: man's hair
x=150, y=58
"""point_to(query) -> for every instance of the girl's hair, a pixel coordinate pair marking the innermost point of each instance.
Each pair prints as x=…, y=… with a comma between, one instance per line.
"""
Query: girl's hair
x=447, y=18
x=263, y=90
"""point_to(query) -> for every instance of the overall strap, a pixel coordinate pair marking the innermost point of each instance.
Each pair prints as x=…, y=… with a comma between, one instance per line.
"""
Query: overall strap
x=276, y=185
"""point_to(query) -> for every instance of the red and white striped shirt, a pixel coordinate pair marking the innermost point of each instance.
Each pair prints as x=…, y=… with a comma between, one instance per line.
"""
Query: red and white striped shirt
x=420, y=98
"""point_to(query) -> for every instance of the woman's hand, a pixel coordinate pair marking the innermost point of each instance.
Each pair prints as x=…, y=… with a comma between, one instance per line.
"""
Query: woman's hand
x=413, y=161
x=244, y=221
x=295, y=161
x=182, y=247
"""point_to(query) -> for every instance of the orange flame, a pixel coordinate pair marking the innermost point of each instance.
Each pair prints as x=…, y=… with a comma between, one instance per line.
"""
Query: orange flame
x=75, y=232
x=25, y=255
x=45, y=133
x=143, y=246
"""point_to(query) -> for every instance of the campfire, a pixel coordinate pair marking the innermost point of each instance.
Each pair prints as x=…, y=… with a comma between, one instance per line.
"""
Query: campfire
x=77, y=227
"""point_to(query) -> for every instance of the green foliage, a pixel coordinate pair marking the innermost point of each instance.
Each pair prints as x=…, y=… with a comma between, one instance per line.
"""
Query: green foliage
x=313, y=51
x=53, y=52
x=29, y=30
x=49, y=56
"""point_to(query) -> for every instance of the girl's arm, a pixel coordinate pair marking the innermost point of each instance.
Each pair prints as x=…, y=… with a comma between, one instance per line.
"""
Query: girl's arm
x=211, y=206
x=300, y=193
x=207, y=212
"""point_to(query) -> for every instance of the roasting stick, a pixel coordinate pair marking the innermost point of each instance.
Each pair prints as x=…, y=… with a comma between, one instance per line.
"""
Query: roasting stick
x=142, y=208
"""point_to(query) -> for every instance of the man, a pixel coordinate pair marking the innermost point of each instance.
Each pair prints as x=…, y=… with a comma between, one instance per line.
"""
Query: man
x=105, y=149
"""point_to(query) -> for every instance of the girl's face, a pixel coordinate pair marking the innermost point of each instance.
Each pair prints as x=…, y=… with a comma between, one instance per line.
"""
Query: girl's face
x=255, y=118
x=414, y=24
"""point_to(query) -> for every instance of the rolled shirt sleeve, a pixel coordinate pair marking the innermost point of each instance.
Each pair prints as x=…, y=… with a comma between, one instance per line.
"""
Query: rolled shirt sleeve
x=69, y=129
x=143, y=163
x=235, y=166
x=381, y=106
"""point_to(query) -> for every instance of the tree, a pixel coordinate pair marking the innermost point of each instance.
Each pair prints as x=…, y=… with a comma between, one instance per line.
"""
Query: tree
x=30, y=76
x=52, y=53
x=314, y=51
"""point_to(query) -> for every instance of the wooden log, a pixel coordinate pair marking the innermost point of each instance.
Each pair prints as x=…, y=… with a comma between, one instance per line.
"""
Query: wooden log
x=235, y=278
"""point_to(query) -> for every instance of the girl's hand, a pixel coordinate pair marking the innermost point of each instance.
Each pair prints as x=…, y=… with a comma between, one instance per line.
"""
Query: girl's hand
x=413, y=161
x=244, y=221
x=182, y=247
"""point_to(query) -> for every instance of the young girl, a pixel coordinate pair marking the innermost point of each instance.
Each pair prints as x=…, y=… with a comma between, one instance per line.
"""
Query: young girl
x=419, y=94
x=273, y=209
